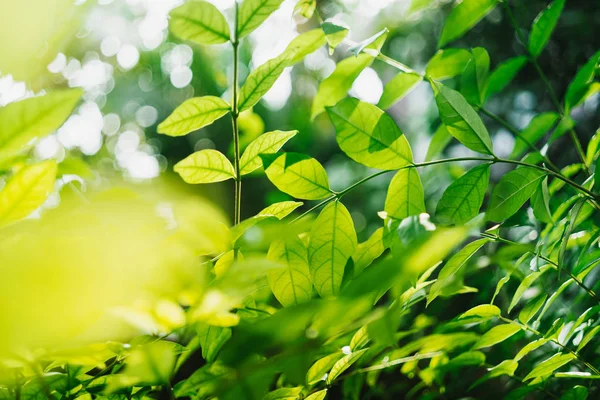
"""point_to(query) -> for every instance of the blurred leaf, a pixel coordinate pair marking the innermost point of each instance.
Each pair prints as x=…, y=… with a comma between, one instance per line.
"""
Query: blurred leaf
x=34, y=118
x=504, y=74
x=261, y=80
x=212, y=339
x=575, y=393
x=593, y=148
x=542, y=27
x=200, y=22
x=578, y=88
x=252, y=14
x=447, y=63
x=469, y=358
x=588, y=337
x=284, y=394
x=440, y=139
x=369, y=136
x=376, y=41
x=513, y=190
x=306, y=8
x=454, y=264
x=547, y=367
x=204, y=381
x=205, y=166
x=321, y=367
x=474, y=80
x=343, y=364
x=482, y=311
x=462, y=200
x=320, y=395
x=539, y=125
x=418, y=5
x=405, y=196
x=496, y=335
x=564, y=126
x=50, y=382
x=332, y=243
x=297, y=175
x=461, y=120
x=396, y=89
x=290, y=284
x=26, y=191
x=149, y=364
x=304, y=44
x=463, y=17
x=506, y=367
x=532, y=308
x=334, y=34
x=269, y=142
x=540, y=202
x=368, y=251
x=193, y=114
x=525, y=284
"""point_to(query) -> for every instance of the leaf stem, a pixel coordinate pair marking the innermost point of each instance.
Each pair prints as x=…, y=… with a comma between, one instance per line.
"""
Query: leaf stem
x=234, y=120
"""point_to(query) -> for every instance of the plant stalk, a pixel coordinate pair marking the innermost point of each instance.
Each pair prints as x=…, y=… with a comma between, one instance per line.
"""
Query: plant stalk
x=234, y=119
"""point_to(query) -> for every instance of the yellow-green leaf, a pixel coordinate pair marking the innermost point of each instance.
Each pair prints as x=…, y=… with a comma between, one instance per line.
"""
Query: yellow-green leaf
x=368, y=251
x=512, y=191
x=396, y=89
x=332, y=243
x=212, y=339
x=343, y=364
x=261, y=80
x=405, y=196
x=547, y=367
x=200, y=22
x=447, y=63
x=290, y=284
x=485, y=311
x=284, y=394
x=26, y=191
x=317, y=371
x=496, y=335
x=320, y=395
x=304, y=44
x=193, y=114
x=269, y=142
x=252, y=13
x=531, y=308
x=205, y=166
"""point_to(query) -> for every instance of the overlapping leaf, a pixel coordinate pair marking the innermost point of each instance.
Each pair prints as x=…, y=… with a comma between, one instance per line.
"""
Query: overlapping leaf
x=266, y=143
x=292, y=283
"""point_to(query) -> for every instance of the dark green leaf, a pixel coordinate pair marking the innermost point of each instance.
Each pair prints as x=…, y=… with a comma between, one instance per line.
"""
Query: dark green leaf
x=579, y=87
x=539, y=125
x=504, y=74
x=463, y=17
x=462, y=200
x=474, y=80
x=540, y=202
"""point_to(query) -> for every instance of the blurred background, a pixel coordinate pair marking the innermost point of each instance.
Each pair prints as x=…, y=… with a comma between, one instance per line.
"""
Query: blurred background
x=134, y=73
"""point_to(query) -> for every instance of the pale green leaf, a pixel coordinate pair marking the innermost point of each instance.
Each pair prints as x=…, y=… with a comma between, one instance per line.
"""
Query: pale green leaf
x=525, y=284
x=368, y=251
x=261, y=80
x=531, y=308
x=290, y=284
x=369, y=136
x=579, y=87
x=440, y=139
x=463, y=17
x=540, y=202
x=461, y=120
x=542, y=27
x=343, y=364
x=306, y=8
x=280, y=210
x=474, y=80
x=462, y=200
x=512, y=191
x=252, y=13
x=504, y=74
x=332, y=243
x=26, y=191
x=284, y=394
x=193, y=114
x=452, y=266
x=547, y=367
x=297, y=175
x=529, y=347
x=447, y=63
x=396, y=89
x=334, y=33
x=539, y=125
x=496, y=335
x=321, y=367
x=320, y=395
x=484, y=311
x=405, y=196
x=374, y=42
x=200, y=22
x=205, y=166
x=304, y=44
x=34, y=118
x=212, y=339
x=266, y=143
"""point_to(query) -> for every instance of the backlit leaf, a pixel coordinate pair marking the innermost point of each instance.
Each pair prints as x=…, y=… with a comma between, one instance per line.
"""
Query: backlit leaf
x=405, y=196
x=306, y=8
x=334, y=34
x=369, y=136
x=343, y=364
x=280, y=210
x=320, y=395
x=368, y=251
x=252, y=13
x=26, y=191
x=529, y=347
x=531, y=308
x=375, y=41
x=462, y=200
x=396, y=89
x=447, y=63
x=496, y=335
x=525, y=284
x=360, y=339
x=261, y=80
x=588, y=337
x=512, y=191
x=205, y=166
x=547, y=367
x=193, y=114
x=463, y=17
x=332, y=243
x=284, y=394
x=304, y=44
x=542, y=27
x=461, y=120
x=200, y=22
x=504, y=74
x=266, y=143
x=212, y=339
x=290, y=284
x=150, y=364
x=474, y=80
x=317, y=371
x=297, y=175
x=481, y=311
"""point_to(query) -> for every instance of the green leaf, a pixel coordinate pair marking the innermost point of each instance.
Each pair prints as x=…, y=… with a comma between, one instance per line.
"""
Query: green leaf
x=525, y=284
x=252, y=13
x=461, y=120
x=374, y=42
x=261, y=80
x=547, y=367
x=34, y=118
x=542, y=27
x=532, y=308
x=441, y=138
x=469, y=358
x=332, y=243
x=280, y=210
x=575, y=393
x=290, y=284
x=447, y=63
x=297, y=175
x=474, y=80
x=578, y=89
x=463, y=17
x=343, y=364
x=212, y=339
x=418, y=5
x=200, y=22
x=360, y=339
x=496, y=335
x=453, y=265
x=396, y=89
x=540, y=202
x=26, y=191
x=405, y=196
x=321, y=367
x=506, y=367
x=485, y=311
x=462, y=200
x=368, y=251
x=512, y=191
x=320, y=395
x=269, y=142
x=150, y=364
x=588, y=337
x=205, y=166
x=334, y=34
x=203, y=382
x=369, y=136
x=504, y=74
x=306, y=8
x=499, y=286
x=539, y=125
x=284, y=394
x=529, y=347
x=304, y=44
x=193, y=114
